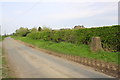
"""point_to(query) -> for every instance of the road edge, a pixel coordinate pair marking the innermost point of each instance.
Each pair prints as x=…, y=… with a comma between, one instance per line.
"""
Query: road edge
x=54, y=54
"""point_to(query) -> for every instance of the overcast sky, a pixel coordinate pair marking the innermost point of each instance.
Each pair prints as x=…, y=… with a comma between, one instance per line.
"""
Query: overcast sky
x=57, y=14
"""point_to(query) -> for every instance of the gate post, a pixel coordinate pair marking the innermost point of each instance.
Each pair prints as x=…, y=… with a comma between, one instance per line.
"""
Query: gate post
x=96, y=44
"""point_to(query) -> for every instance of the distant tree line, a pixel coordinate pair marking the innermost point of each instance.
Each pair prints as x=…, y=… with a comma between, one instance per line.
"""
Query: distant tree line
x=25, y=31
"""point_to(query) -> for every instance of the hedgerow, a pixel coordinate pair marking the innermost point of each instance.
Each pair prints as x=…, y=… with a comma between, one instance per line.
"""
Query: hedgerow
x=109, y=36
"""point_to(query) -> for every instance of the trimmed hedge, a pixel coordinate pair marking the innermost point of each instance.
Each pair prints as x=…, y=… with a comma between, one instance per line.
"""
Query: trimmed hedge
x=109, y=36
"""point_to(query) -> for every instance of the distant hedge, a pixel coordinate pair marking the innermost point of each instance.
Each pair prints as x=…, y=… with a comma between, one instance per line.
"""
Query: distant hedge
x=109, y=36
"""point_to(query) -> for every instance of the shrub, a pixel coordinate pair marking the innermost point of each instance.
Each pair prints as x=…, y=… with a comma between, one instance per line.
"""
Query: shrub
x=109, y=36
x=21, y=32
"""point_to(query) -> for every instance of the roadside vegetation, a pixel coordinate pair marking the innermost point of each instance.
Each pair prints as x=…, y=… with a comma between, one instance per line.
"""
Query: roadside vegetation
x=0, y=57
x=5, y=71
x=74, y=41
x=0, y=63
x=5, y=68
x=3, y=37
x=0, y=38
x=108, y=34
x=73, y=49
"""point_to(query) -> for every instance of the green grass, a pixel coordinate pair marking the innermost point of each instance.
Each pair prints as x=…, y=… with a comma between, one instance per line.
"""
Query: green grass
x=0, y=56
x=68, y=48
x=6, y=71
x=2, y=38
x=0, y=62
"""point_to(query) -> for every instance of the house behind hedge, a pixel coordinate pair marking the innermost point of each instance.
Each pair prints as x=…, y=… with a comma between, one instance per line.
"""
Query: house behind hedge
x=79, y=27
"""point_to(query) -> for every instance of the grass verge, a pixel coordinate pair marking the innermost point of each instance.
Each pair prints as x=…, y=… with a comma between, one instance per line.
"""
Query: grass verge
x=0, y=63
x=5, y=68
x=73, y=49
x=2, y=38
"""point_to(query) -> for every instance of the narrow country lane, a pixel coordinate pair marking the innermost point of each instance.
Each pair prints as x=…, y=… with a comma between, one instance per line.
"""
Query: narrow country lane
x=28, y=62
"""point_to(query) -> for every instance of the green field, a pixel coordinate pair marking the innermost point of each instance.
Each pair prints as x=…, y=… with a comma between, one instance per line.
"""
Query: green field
x=73, y=49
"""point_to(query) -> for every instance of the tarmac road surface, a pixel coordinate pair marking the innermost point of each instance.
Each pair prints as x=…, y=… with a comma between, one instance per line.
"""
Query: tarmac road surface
x=28, y=62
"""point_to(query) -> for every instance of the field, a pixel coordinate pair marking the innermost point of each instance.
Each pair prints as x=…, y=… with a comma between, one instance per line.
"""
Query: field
x=73, y=49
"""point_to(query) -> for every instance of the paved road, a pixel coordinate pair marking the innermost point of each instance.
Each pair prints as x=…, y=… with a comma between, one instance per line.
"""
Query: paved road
x=31, y=63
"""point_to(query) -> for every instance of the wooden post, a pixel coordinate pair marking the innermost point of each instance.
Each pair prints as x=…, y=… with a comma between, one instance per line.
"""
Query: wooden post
x=96, y=44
